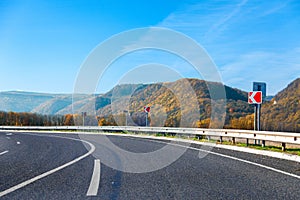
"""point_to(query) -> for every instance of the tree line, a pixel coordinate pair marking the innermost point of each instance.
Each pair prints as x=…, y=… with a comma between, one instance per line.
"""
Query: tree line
x=34, y=119
x=139, y=119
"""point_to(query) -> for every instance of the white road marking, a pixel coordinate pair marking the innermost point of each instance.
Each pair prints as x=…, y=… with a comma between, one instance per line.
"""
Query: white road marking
x=93, y=147
x=25, y=183
x=279, y=155
x=18, y=142
x=214, y=153
x=253, y=163
x=158, y=140
x=238, y=159
x=4, y=152
x=95, y=181
x=8, y=134
x=8, y=138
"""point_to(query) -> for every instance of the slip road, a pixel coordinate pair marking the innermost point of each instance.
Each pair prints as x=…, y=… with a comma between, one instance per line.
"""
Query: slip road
x=60, y=166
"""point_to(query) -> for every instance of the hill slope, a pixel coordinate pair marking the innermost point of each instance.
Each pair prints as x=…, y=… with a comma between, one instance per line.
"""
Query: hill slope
x=283, y=111
x=166, y=101
x=22, y=101
x=185, y=99
x=163, y=97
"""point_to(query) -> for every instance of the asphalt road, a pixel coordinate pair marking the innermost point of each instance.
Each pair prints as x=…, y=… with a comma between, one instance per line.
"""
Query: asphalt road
x=40, y=166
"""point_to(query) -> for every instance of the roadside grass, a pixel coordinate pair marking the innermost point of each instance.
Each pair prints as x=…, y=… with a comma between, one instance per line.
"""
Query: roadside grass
x=294, y=151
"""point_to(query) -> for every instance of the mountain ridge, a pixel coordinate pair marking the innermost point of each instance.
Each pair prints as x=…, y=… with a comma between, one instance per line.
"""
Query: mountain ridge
x=163, y=98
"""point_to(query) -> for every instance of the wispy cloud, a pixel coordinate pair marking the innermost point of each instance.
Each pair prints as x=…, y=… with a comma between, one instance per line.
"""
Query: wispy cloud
x=205, y=19
x=225, y=19
x=248, y=40
x=275, y=8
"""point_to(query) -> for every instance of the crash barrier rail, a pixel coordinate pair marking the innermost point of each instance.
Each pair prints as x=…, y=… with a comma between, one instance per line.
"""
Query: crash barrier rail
x=263, y=136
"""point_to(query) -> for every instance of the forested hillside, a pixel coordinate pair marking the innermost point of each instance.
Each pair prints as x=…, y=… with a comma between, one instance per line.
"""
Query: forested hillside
x=125, y=103
x=164, y=99
x=283, y=112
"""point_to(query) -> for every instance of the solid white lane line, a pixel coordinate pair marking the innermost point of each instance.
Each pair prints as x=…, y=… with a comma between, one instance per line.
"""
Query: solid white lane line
x=217, y=154
x=25, y=183
x=95, y=181
x=237, y=159
x=252, y=163
x=4, y=152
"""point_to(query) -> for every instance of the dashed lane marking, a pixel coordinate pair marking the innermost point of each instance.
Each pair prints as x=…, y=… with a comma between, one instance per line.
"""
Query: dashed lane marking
x=4, y=152
x=94, y=184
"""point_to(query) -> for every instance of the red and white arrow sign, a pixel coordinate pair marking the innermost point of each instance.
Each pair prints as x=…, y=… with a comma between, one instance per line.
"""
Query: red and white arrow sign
x=255, y=97
x=147, y=109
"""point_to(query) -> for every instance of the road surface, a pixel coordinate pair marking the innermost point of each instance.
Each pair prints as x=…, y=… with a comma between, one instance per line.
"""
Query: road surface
x=61, y=166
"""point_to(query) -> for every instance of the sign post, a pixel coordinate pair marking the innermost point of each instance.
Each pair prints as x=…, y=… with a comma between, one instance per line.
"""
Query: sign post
x=83, y=116
x=126, y=114
x=146, y=110
x=256, y=97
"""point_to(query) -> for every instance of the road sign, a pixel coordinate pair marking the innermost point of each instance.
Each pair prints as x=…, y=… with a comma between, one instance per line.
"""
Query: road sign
x=260, y=86
x=255, y=97
x=147, y=109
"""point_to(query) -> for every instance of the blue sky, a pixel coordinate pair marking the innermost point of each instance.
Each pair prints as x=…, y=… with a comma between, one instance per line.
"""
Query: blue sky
x=44, y=43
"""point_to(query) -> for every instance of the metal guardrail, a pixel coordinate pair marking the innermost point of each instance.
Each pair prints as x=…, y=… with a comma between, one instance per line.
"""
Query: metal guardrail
x=263, y=136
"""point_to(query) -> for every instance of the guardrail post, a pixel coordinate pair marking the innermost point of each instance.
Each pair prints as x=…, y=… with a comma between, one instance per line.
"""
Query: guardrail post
x=255, y=139
x=263, y=143
x=208, y=138
x=247, y=142
x=283, y=146
x=233, y=140
x=221, y=139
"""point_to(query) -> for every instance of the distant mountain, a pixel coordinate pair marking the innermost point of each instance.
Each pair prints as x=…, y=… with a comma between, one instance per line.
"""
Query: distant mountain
x=54, y=105
x=23, y=101
x=42, y=103
x=138, y=95
x=167, y=99
x=282, y=112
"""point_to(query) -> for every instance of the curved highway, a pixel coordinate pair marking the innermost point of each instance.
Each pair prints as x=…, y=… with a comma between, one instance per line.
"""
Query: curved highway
x=60, y=166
